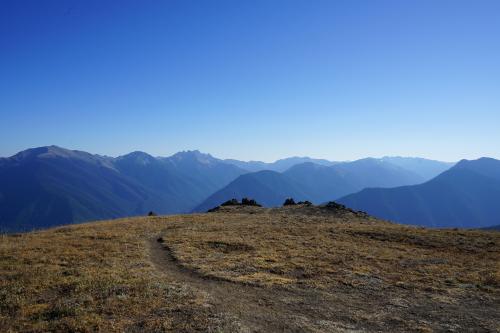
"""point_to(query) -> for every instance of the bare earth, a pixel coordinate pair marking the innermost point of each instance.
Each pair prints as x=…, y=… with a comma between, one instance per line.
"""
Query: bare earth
x=245, y=269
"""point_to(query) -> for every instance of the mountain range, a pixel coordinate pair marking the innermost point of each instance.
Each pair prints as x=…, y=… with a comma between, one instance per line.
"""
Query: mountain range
x=47, y=186
x=467, y=195
x=279, y=165
x=314, y=182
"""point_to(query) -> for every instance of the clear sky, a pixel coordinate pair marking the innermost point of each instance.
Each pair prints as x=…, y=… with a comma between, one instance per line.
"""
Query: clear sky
x=256, y=79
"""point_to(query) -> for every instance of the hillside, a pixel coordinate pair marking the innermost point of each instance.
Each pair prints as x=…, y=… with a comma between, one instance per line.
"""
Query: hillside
x=182, y=180
x=270, y=188
x=425, y=168
x=49, y=186
x=247, y=269
x=313, y=182
x=464, y=196
x=327, y=183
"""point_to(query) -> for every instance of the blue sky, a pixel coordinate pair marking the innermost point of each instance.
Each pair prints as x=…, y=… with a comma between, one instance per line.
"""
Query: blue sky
x=252, y=79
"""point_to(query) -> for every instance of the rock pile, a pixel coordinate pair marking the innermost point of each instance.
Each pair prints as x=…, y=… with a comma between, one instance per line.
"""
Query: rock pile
x=235, y=202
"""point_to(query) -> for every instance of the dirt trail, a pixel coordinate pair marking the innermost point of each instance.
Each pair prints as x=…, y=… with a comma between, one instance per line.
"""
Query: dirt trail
x=257, y=309
x=343, y=308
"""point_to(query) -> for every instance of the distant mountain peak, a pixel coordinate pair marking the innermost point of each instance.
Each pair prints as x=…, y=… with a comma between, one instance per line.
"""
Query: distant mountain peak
x=485, y=165
x=138, y=157
x=56, y=152
x=305, y=159
x=46, y=151
x=194, y=155
x=463, y=196
x=280, y=165
x=308, y=166
x=480, y=160
x=367, y=160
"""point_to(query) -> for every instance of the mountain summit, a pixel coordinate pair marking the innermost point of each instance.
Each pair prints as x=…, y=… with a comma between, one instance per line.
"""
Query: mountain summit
x=464, y=196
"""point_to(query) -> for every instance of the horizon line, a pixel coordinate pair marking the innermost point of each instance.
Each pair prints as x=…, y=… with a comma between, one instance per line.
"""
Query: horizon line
x=245, y=160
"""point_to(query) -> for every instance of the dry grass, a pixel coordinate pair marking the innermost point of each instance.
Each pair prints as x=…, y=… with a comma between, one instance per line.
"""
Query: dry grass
x=375, y=275
x=92, y=277
x=325, y=251
x=99, y=276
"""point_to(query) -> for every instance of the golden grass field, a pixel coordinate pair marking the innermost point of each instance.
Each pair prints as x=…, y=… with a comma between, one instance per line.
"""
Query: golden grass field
x=293, y=269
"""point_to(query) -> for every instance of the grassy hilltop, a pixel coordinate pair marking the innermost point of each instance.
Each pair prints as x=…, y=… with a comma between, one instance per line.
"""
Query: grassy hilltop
x=246, y=269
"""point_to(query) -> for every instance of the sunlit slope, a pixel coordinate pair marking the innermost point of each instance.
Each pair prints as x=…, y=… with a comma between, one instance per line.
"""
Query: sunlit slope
x=243, y=269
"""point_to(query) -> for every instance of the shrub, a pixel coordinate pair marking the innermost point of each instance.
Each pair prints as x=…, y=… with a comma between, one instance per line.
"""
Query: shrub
x=232, y=202
x=334, y=205
x=289, y=202
x=249, y=202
